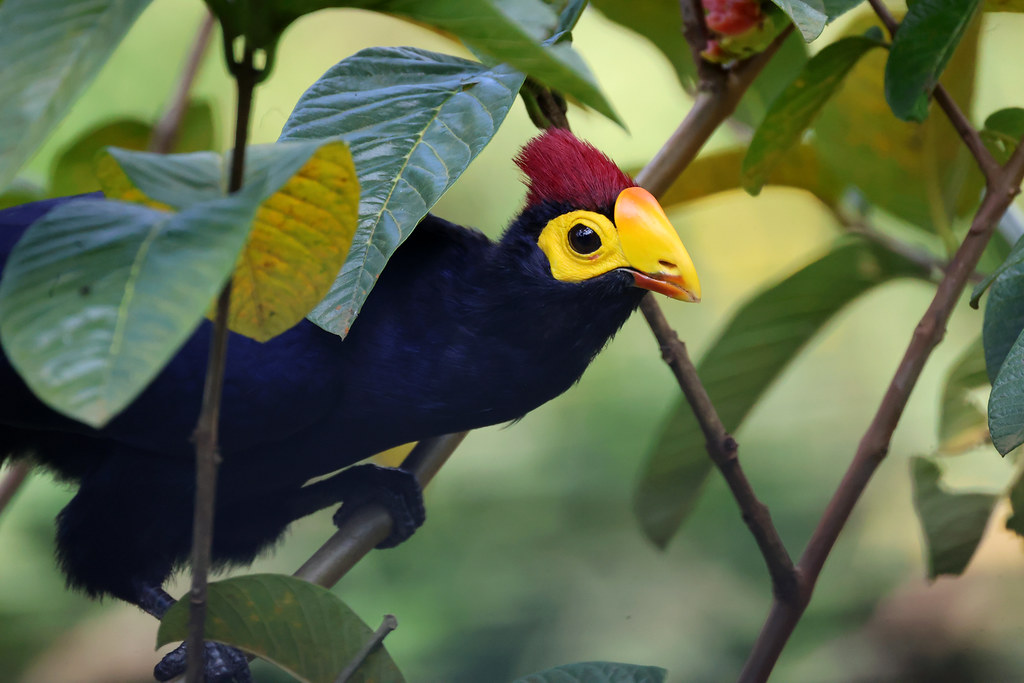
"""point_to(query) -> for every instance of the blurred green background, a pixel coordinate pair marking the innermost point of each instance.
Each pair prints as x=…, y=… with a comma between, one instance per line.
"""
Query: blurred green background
x=531, y=557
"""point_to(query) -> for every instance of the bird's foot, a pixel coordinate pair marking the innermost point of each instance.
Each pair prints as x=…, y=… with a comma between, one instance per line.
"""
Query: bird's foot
x=224, y=664
x=396, y=489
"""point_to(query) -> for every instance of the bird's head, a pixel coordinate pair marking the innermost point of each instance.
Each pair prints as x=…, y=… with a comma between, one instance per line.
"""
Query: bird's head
x=590, y=219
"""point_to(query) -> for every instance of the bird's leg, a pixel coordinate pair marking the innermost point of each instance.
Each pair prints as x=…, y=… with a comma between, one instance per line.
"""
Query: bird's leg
x=394, y=488
x=223, y=663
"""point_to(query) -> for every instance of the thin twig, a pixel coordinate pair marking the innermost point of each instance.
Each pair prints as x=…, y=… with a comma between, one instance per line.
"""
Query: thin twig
x=874, y=445
x=723, y=451
x=14, y=476
x=165, y=133
x=711, y=107
x=206, y=434
x=921, y=257
x=389, y=624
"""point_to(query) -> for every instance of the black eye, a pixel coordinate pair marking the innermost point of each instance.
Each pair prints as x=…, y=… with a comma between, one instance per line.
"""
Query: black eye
x=583, y=240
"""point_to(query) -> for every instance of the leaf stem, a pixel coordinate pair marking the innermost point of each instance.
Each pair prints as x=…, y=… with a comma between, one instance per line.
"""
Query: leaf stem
x=165, y=133
x=206, y=433
x=389, y=624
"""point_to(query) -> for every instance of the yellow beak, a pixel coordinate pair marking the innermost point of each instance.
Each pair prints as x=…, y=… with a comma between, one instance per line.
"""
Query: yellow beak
x=657, y=258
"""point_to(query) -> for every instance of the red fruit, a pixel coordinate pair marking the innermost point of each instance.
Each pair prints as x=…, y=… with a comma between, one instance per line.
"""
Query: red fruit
x=731, y=17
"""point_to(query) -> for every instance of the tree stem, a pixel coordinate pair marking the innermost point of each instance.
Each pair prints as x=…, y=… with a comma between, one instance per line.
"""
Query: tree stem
x=165, y=133
x=206, y=433
x=874, y=445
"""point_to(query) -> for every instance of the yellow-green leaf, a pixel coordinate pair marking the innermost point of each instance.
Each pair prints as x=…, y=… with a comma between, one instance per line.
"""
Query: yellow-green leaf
x=298, y=243
x=302, y=232
x=303, y=628
x=720, y=172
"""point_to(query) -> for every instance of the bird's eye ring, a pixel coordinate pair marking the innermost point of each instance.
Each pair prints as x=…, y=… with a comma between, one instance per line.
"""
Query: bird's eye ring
x=583, y=239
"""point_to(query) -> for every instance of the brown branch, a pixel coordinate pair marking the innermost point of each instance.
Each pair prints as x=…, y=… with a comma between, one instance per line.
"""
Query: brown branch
x=695, y=30
x=362, y=531
x=14, y=477
x=723, y=451
x=165, y=133
x=874, y=445
x=206, y=434
x=714, y=103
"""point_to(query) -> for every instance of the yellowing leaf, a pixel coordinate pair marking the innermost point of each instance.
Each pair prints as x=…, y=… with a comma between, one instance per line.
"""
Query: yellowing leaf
x=720, y=172
x=298, y=243
x=307, y=195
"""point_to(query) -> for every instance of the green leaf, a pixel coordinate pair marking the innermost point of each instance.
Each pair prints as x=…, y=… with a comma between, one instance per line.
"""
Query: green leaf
x=435, y=112
x=303, y=628
x=1003, y=131
x=308, y=210
x=1003, y=6
x=928, y=35
x=920, y=173
x=835, y=8
x=720, y=172
x=962, y=423
x=1013, y=259
x=50, y=51
x=21, y=192
x=1006, y=402
x=792, y=111
x=753, y=349
x=1004, y=312
x=511, y=31
x=73, y=170
x=809, y=16
x=953, y=522
x=597, y=672
x=780, y=71
x=98, y=295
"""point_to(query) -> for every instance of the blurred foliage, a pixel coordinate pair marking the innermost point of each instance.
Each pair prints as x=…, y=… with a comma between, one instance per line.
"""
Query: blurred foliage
x=531, y=557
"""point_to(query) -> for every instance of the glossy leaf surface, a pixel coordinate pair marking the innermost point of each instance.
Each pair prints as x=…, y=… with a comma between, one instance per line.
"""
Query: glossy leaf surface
x=414, y=120
x=98, y=295
x=924, y=44
x=50, y=51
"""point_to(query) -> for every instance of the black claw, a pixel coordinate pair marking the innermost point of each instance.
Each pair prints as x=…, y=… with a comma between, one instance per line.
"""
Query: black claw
x=224, y=664
x=395, y=489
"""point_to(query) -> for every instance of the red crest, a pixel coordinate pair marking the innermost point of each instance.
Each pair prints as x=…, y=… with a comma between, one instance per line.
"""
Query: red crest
x=562, y=168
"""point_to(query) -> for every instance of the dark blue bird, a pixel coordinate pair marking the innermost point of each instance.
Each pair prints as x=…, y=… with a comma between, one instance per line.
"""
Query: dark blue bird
x=458, y=333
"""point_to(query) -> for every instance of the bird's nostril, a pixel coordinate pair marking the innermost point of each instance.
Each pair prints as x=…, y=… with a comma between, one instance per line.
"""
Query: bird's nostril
x=668, y=264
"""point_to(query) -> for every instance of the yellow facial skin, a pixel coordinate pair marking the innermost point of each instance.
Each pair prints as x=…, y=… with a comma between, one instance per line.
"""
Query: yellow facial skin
x=641, y=240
